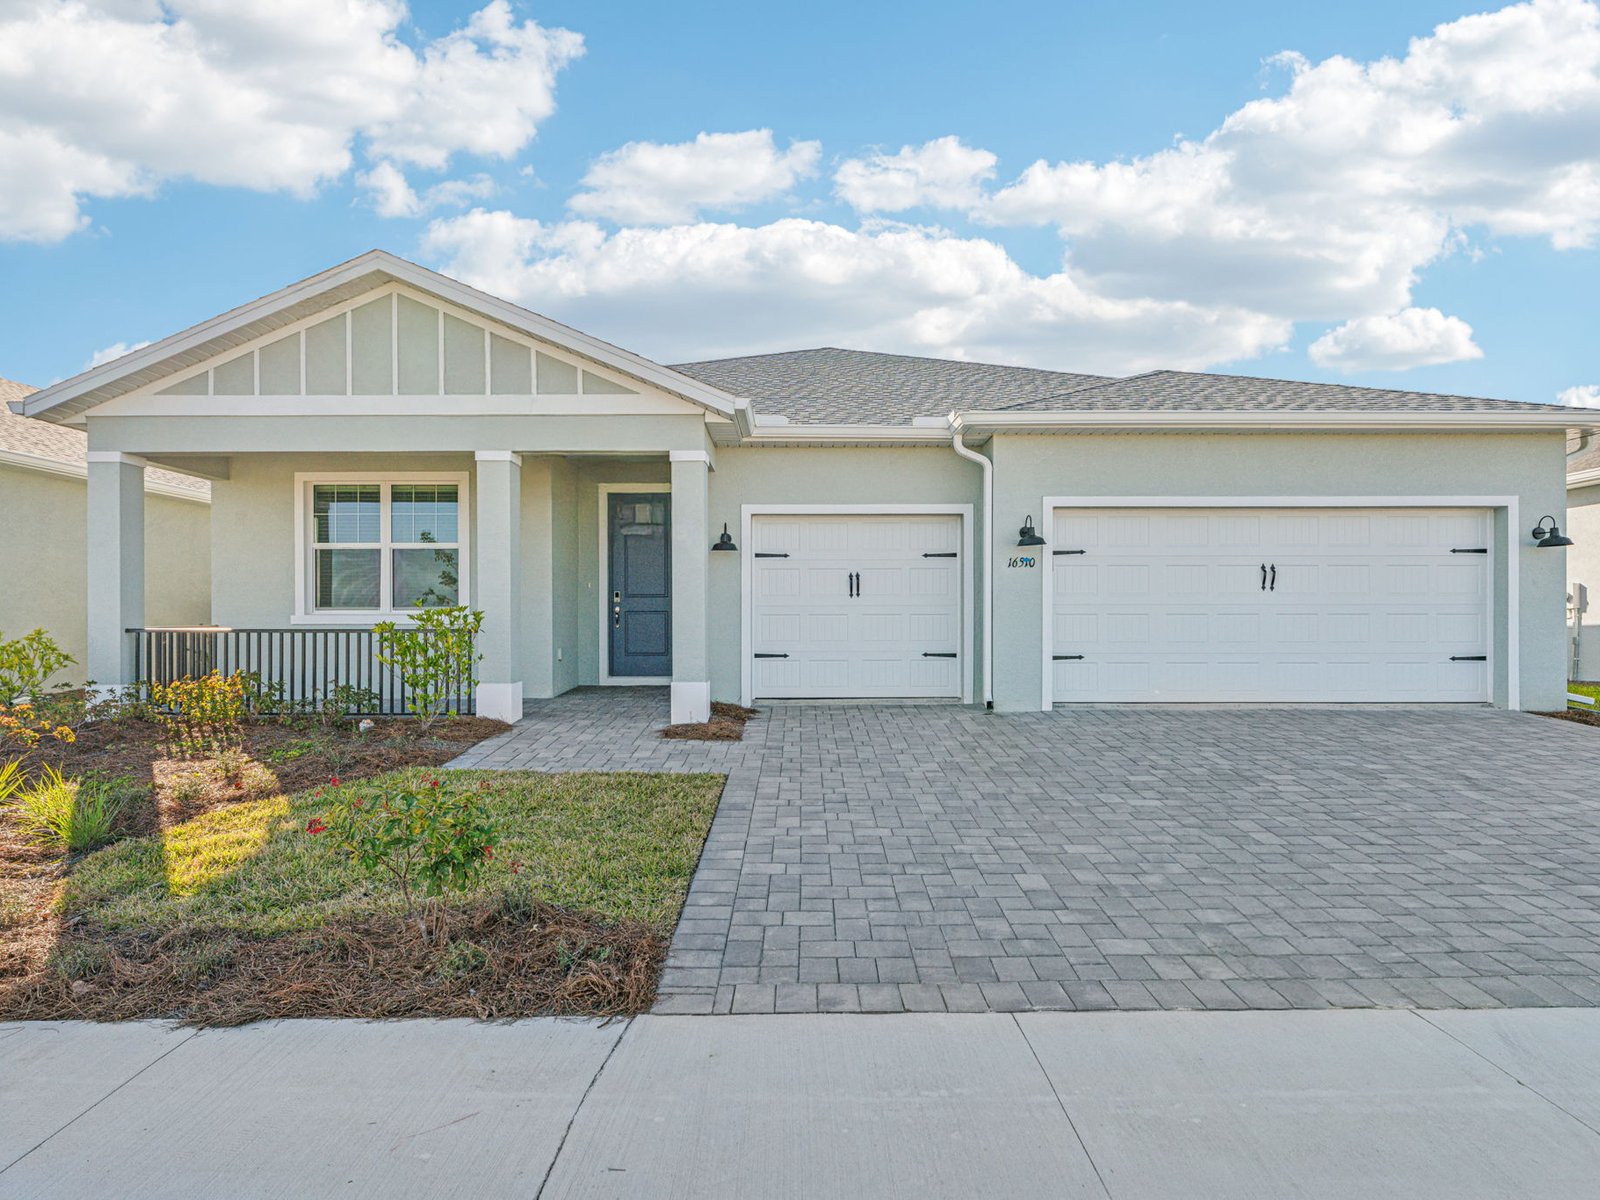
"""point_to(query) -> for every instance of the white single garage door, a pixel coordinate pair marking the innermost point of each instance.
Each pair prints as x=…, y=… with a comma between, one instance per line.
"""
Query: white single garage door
x=855, y=606
x=1237, y=604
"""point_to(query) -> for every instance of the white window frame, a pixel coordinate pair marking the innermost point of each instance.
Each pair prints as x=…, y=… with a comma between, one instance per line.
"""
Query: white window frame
x=305, y=610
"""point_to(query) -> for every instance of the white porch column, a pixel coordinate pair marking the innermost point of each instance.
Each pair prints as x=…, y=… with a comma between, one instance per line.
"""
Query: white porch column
x=116, y=565
x=498, y=583
x=691, y=544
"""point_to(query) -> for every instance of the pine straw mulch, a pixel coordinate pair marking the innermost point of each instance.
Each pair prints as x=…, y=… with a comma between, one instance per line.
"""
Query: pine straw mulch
x=274, y=756
x=489, y=960
x=1578, y=716
x=726, y=725
x=169, y=789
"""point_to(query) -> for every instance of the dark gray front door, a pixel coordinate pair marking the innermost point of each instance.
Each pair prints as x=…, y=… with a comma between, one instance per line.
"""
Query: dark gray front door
x=639, y=583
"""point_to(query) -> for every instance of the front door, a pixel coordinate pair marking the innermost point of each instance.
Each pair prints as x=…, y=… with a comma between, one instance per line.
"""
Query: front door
x=639, y=584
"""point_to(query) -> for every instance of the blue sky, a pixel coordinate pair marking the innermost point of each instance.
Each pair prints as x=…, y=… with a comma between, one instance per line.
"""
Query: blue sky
x=1038, y=183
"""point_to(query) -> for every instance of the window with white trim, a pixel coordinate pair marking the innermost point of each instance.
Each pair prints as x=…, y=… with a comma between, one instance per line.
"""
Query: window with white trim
x=383, y=546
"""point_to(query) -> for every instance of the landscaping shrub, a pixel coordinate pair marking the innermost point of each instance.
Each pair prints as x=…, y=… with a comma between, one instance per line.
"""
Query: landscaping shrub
x=27, y=663
x=437, y=660
x=427, y=840
x=72, y=814
x=21, y=725
x=203, y=715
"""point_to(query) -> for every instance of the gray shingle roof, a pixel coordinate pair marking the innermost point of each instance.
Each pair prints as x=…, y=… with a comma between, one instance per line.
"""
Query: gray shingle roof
x=856, y=387
x=1189, y=391
x=58, y=443
x=1589, y=460
x=848, y=387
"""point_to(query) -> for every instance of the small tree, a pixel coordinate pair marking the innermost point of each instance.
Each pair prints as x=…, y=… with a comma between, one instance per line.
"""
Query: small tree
x=429, y=840
x=437, y=660
x=27, y=663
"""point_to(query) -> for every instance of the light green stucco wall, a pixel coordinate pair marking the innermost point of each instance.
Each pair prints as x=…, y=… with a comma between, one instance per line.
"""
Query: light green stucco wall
x=1527, y=466
x=44, y=549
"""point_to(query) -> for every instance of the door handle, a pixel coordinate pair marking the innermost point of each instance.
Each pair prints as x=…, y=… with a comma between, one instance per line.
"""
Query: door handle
x=858, y=583
x=1274, y=586
x=1263, y=577
x=849, y=584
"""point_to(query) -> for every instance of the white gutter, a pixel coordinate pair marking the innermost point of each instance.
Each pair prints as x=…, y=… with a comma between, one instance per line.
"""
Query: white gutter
x=1151, y=420
x=987, y=551
x=1583, y=478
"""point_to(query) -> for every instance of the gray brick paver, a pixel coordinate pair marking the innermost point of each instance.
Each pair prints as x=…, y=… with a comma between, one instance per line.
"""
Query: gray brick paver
x=941, y=857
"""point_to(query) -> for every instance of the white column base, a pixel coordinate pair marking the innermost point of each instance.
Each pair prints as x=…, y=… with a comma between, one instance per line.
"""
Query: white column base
x=691, y=703
x=500, y=701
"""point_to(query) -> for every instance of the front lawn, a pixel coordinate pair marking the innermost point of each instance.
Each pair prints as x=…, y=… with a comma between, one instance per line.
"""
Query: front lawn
x=239, y=914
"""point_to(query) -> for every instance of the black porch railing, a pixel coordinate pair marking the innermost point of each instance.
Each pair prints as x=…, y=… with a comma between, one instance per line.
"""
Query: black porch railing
x=297, y=667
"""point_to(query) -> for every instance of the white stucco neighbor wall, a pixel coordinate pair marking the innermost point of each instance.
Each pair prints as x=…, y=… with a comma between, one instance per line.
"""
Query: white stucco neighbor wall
x=1582, y=525
x=44, y=552
x=1526, y=467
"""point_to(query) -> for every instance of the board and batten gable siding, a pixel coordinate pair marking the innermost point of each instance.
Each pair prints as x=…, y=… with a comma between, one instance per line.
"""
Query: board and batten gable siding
x=395, y=344
x=1527, y=466
x=44, y=544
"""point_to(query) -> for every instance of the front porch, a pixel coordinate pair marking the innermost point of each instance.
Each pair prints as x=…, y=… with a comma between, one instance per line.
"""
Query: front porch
x=589, y=568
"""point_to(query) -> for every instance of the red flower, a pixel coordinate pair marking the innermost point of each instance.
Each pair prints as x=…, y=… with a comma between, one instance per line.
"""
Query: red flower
x=315, y=825
x=433, y=783
x=334, y=782
x=488, y=852
x=356, y=803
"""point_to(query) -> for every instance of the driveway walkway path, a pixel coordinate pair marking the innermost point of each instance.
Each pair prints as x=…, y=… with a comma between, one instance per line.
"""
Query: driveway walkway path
x=1110, y=1106
x=942, y=858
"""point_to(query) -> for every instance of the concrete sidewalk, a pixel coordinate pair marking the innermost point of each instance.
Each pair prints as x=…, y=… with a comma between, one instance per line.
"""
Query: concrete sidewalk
x=1365, y=1104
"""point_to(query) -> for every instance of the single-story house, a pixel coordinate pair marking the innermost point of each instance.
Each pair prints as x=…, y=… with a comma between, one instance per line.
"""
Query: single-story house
x=44, y=474
x=824, y=523
x=1583, y=565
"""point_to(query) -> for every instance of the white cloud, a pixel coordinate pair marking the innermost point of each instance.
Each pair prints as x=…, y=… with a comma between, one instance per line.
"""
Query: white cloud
x=648, y=183
x=114, y=351
x=1326, y=202
x=393, y=196
x=1585, y=396
x=942, y=173
x=715, y=289
x=273, y=95
x=1412, y=337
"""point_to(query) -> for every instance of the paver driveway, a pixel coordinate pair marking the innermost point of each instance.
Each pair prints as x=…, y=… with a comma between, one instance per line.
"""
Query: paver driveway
x=931, y=857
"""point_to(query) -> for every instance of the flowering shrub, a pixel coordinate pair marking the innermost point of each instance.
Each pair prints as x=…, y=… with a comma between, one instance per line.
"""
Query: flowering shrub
x=428, y=840
x=202, y=714
x=22, y=725
x=436, y=660
x=27, y=663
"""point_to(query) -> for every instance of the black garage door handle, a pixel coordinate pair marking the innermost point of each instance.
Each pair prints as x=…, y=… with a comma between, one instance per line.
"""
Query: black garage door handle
x=937, y=654
x=772, y=656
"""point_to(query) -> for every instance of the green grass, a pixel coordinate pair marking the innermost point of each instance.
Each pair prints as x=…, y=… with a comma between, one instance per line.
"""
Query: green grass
x=621, y=846
x=1592, y=690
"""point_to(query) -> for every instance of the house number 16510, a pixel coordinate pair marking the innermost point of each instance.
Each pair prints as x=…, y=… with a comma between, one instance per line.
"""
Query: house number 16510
x=1022, y=561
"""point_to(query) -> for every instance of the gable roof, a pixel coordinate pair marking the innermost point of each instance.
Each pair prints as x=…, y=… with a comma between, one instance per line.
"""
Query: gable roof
x=860, y=387
x=1192, y=391
x=67, y=399
x=1587, y=462
x=42, y=445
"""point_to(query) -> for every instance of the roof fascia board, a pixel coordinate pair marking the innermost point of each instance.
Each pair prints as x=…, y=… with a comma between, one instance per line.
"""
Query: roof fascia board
x=74, y=470
x=1580, y=479
x=1146, y=419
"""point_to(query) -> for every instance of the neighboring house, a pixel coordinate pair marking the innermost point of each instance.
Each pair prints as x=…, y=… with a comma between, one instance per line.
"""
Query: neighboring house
x=43, y=548
x=1583, y=564
x=379, y=437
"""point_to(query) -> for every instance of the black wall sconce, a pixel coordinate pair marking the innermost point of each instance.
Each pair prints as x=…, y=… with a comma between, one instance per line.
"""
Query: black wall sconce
x=1552, y=536
x=725, y=542
x=1026, y=535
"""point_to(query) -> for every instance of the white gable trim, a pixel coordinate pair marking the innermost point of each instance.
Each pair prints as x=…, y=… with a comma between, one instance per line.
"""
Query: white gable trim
x=76, y=394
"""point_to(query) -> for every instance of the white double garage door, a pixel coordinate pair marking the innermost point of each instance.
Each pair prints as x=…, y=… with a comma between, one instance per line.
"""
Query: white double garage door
x=1240, y=604
x=1145, y=605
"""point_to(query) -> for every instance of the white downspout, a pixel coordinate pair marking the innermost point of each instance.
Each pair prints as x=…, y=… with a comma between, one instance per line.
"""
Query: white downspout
x=987, y=555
